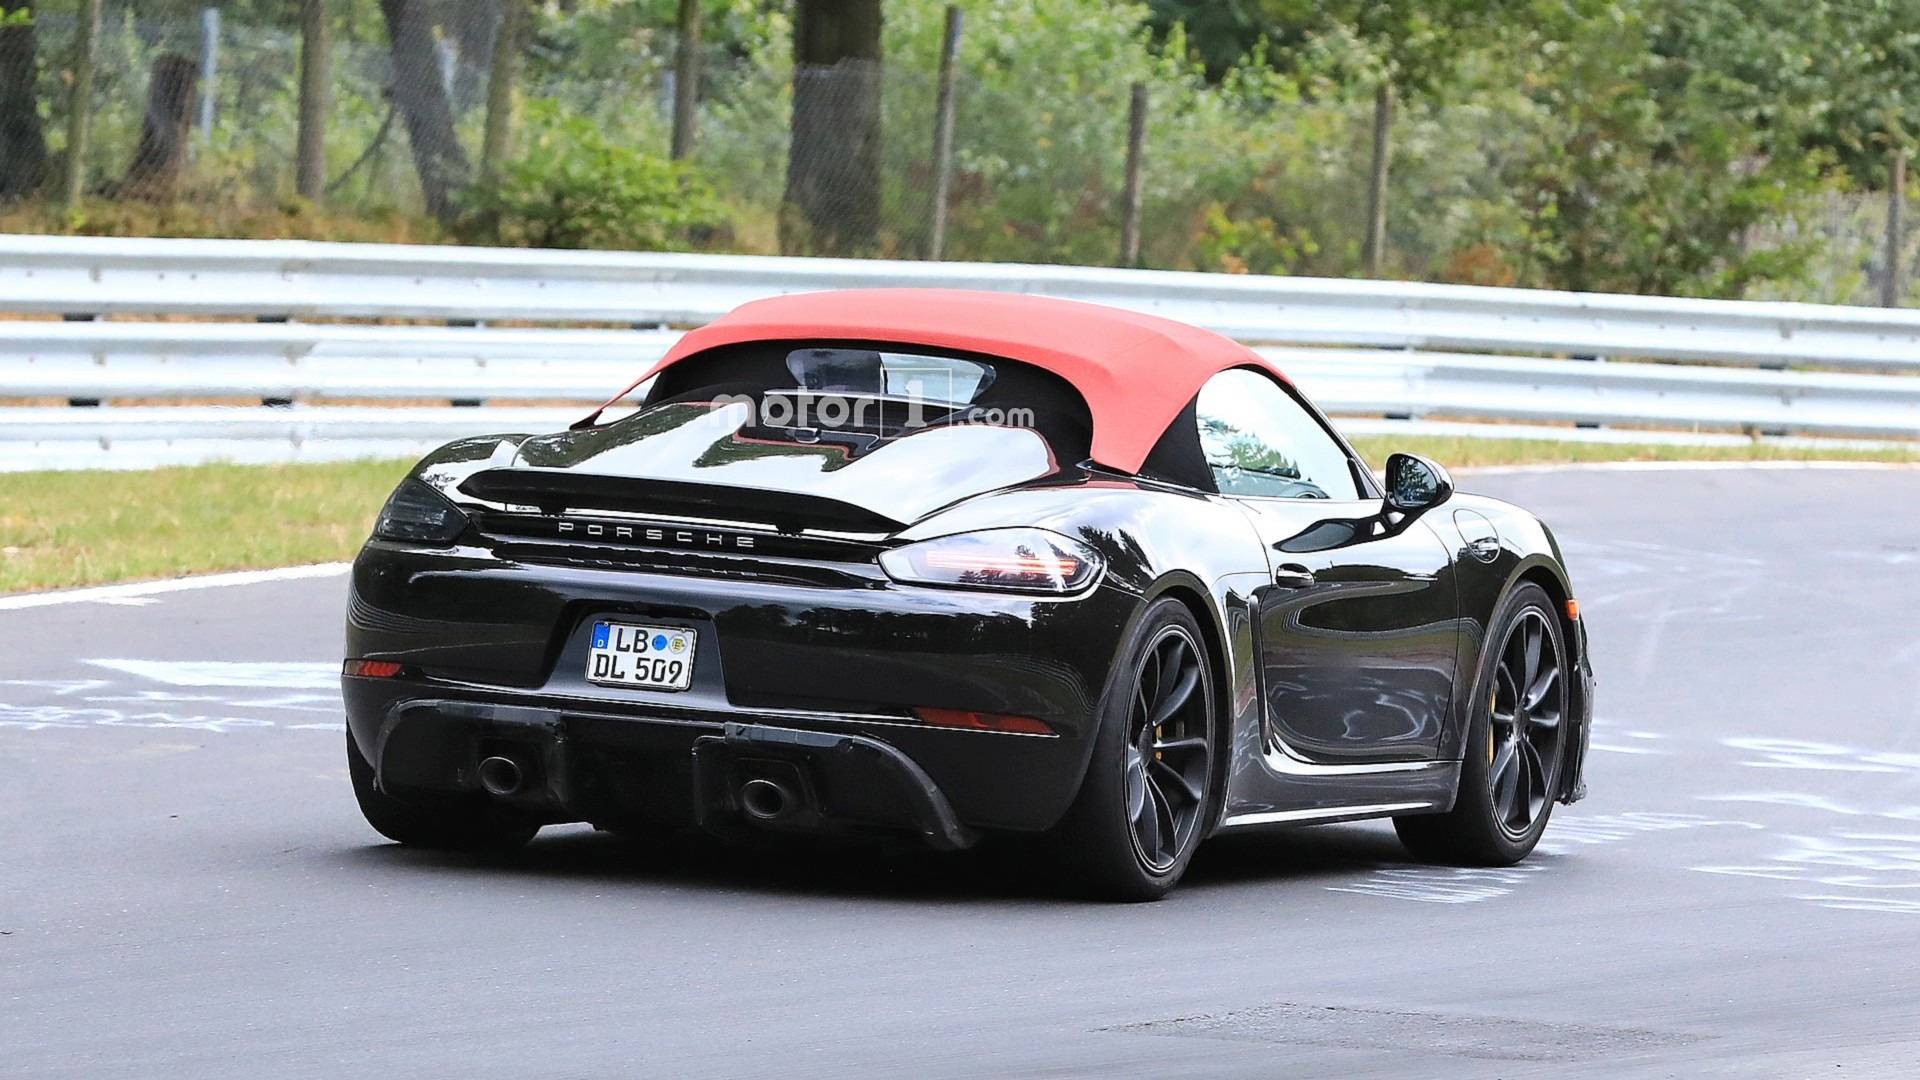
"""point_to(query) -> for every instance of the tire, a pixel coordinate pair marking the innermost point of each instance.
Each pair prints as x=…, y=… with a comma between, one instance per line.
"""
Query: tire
x=1514, y=751
x=1165, y=771
x=449, y=826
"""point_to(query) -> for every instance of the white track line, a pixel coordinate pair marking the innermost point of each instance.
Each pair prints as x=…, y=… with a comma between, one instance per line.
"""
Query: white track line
x=134, y=593
x=1685, y=466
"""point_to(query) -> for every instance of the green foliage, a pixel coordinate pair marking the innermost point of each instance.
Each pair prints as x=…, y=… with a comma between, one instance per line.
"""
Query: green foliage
x=1252, y=245
x=1839, y=76
x=572, y=187
x=1412, y=43
x=1633, y=179
x=1043, y=112
x=1716, y=147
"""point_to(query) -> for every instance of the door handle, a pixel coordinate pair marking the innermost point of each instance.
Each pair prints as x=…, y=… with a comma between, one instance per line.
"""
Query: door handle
x=1292, y=576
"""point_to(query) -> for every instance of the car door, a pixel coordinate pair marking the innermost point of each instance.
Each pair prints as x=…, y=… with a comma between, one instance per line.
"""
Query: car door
x=1357, y=629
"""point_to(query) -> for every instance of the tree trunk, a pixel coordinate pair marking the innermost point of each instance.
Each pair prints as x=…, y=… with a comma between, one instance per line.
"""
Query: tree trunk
x=833, y=162
x=160, y=157
x=422, y=98
x=23, y=144
x=506, y=53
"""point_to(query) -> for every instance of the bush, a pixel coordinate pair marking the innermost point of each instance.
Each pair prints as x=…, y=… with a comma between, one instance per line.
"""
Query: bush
x=573, y=188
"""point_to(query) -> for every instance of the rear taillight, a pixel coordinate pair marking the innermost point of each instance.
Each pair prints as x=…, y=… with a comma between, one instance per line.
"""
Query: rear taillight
x=417, y=513
x=370, y=669
x=1002, y=560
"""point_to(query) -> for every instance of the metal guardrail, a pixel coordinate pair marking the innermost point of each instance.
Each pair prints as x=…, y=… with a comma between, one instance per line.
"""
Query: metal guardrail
x=1358, y=347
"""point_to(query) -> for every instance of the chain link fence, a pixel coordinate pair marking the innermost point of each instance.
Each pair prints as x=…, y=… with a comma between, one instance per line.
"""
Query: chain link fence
x=196, y=115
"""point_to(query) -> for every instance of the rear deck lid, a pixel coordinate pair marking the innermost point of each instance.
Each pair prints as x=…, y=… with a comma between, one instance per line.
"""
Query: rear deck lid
x=713, y=460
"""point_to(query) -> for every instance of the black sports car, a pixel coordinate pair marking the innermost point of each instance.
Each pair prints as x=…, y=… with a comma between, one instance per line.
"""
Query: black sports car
x=947, y=564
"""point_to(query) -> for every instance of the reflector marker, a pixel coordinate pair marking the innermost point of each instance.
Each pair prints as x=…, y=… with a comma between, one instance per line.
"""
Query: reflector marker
x=977, y=721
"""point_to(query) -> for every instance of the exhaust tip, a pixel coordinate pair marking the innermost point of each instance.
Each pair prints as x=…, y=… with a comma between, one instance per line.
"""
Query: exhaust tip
x=501, y=775
x=765, y=800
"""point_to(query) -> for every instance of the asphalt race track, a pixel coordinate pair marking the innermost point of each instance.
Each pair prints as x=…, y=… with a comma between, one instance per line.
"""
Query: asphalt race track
x=186, y=888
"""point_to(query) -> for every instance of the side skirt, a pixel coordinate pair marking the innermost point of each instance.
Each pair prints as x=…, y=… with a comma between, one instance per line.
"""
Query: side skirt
x=1290, y=791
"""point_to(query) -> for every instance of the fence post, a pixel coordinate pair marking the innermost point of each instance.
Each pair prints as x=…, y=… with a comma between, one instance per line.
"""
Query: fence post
x=506, y=50
x=310, y=154
x=686, y=79
x=1376, y=243
x=943, y=135
x=209, y=67
x=1896, y=207
x=1136, y=148
x=80, y=107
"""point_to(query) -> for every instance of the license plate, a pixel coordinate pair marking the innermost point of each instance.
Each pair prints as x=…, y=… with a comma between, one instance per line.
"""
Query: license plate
x=654, y=657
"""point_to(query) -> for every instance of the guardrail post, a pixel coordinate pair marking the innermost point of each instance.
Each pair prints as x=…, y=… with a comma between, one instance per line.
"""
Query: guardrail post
x=1130, y=197
x=1589, y=425
x=81, y=402
x=943, y=136
x=275, y=402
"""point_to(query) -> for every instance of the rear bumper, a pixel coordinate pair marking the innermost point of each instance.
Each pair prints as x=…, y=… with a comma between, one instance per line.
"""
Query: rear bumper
x=582, y=766
x=838, y=781
x=824, y=679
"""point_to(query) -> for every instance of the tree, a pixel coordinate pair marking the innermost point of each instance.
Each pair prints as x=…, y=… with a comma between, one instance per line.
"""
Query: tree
x=1644, y=177
x=833, y=160
x=23, y=145
x=1834, y=76
x=160, y=156
x=1412, y=44
x=422, y=100
x=1407, y=47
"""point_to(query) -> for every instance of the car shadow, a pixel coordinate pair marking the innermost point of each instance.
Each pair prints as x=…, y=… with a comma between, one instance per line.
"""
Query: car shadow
x=999, y=870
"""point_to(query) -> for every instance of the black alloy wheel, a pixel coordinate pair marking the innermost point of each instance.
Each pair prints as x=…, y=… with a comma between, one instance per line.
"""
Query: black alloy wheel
x=1151, y=789
x=1169, y=750
x=1524, y=747
x=1515, y=744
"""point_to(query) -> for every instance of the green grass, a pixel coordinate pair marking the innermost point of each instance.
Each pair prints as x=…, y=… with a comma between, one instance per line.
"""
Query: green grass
x=60, y=529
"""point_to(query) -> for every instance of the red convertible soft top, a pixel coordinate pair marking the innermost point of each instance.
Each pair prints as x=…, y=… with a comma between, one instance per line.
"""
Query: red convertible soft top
x=1136, y=371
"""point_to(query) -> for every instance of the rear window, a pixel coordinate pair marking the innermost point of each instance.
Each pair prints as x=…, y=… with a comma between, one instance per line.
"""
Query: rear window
x=944, y=380
x=861, y=395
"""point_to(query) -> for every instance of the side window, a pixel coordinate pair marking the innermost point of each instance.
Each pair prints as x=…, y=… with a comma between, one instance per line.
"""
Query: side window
x=1259, y=441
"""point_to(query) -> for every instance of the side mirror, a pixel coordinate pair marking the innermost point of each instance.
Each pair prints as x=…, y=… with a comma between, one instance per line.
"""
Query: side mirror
x=1416, y=485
